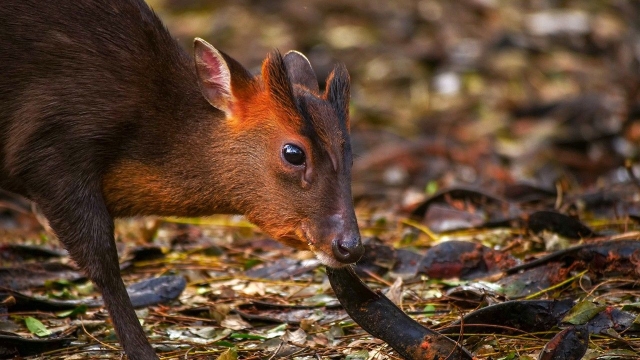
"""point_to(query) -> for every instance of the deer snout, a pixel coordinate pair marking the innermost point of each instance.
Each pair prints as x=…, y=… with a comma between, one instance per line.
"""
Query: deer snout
x=345, y=244
x=334, y=239
x=347, y=248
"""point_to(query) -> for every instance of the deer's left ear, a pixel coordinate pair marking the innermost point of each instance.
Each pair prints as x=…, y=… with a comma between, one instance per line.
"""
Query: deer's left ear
x=222, y=79
x=338, y=92
x=213, y=75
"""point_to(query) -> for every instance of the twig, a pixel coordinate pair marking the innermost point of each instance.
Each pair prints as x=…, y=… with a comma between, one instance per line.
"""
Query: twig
x=95, y=339
x=420, y=227
x=629, y=166
x=556, y=286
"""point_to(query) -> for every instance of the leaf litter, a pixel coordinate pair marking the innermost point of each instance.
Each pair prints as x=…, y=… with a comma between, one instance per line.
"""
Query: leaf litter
x=497, y=175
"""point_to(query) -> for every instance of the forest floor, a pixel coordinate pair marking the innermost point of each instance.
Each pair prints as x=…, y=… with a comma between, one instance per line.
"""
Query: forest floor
x=497, y=158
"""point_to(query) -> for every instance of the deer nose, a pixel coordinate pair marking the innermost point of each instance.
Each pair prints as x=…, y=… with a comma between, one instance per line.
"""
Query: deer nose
x=347, y=249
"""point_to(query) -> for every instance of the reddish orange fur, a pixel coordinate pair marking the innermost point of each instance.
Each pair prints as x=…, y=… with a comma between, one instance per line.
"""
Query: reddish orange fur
x=254, y=100
x=132, y=188
x=260, y=114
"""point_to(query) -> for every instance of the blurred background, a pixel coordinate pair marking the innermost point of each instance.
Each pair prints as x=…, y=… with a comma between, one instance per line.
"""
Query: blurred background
x=447, y=93
x=512, y=124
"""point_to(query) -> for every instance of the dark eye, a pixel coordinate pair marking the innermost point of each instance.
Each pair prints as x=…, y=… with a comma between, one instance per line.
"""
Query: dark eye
x=293, y=154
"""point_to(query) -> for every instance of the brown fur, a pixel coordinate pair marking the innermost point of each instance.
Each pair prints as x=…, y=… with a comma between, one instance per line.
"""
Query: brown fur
x=102, y=115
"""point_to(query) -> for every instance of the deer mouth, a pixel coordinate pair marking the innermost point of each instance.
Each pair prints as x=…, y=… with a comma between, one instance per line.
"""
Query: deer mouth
x=324, y=256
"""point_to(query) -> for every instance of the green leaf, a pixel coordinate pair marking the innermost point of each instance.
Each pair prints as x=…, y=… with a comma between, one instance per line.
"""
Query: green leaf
x=230, y=354
x=358, y=355
x=85, y=289
x=249, y=263
x=511, y=356
x=81, y=309
x=202, y=290
x=429, y=310
x=247, y=336
x=279, y=328
x=632, y=307
x=582, y=312
x=635, y=325
x=336, y=331
x=431, y=187
x=63, y=294
x=57, y=284
x=319, y=300
x=36, y=327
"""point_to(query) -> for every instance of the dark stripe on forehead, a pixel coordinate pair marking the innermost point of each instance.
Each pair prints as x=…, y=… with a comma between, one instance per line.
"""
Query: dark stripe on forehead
x=320, y=118
x=338, y=91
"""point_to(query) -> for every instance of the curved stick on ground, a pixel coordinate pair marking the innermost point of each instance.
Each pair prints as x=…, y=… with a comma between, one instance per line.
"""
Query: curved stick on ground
x=383, y=319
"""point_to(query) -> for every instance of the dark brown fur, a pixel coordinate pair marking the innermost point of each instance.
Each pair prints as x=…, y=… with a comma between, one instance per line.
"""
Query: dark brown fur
x=102, y=115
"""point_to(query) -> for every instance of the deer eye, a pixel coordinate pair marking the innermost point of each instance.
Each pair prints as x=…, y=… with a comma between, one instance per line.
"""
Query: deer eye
x=293, y=154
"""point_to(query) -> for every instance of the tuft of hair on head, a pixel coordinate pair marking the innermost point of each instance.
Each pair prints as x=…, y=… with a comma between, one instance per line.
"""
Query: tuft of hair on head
x=277, y=81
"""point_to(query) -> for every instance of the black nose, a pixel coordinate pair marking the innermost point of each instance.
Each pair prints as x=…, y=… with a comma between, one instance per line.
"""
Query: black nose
x=347, y=250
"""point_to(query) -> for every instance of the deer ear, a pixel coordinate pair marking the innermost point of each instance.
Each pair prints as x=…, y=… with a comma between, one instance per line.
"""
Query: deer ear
x=214, y=76
x=300, y=70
